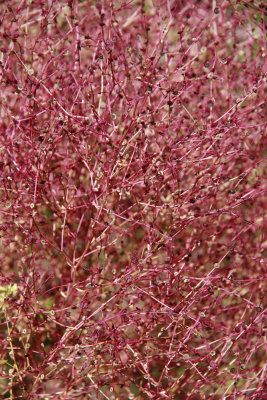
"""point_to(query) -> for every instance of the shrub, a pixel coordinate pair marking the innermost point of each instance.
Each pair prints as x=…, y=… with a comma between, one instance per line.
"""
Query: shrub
x=132, y=215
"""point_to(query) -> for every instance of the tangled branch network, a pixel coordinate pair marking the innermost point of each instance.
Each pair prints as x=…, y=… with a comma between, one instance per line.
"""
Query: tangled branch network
x=133, y=199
